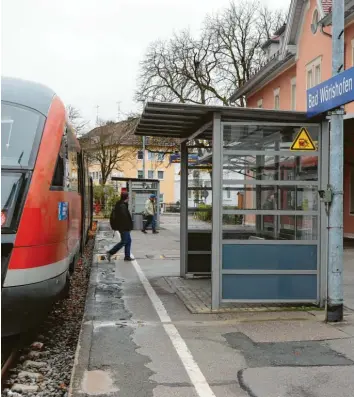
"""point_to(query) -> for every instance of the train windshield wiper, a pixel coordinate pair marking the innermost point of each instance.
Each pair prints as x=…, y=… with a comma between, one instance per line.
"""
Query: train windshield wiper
x=20, y=158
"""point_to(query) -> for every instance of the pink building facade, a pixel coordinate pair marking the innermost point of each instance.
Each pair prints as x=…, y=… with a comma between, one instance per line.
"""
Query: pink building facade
x=299, y=57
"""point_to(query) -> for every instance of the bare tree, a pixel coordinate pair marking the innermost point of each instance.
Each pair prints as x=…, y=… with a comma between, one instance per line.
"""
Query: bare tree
x=76, y=120
x=210, y=68
x=160, y=78
x=110, y=144
x=238, y=34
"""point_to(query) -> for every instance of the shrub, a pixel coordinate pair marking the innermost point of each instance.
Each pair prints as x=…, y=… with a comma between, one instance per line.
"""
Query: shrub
x=107, y=197
x=227, y=219
x=204, y=212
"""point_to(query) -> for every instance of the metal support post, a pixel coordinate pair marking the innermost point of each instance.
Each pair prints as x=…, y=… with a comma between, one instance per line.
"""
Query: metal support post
x=130, y=193
x=334, y=310
x=158, y=206
x=258, y=190
x=184, y=210
x=143, y=157
x=217, y=184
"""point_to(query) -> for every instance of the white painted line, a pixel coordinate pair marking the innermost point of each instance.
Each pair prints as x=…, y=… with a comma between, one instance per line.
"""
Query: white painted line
x=195, y=374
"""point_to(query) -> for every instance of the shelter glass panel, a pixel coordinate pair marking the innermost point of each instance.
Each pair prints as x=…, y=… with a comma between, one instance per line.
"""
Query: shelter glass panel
x=263, y=137
x=270, y=197
x=269, y=227
x=283, y=167
x=271, y=287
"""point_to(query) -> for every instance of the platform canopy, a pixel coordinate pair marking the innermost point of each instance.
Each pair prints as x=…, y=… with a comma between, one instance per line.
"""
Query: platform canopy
x=185, y=121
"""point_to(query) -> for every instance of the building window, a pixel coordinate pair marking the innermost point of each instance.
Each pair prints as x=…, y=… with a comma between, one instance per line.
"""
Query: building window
x=352, y=190
x=160, y=174
x=293, y=93
x=161, y=198
x=260, y=103
x=277, y=99
x=309, y=79
x=189, y=194
x=160, y=156
x=352, y=53
x=151, y=174
x=314, y=23
x=317, y=74
x=228, y=194
x=140, y=174
x=313, y=73
x=140, y=154
x=151, y=156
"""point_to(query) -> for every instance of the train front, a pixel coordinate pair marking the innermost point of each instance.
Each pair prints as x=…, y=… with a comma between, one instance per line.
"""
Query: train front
x=21, y=131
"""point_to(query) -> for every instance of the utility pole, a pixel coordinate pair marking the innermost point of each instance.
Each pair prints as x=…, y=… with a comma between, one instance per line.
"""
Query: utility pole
x=334, y=310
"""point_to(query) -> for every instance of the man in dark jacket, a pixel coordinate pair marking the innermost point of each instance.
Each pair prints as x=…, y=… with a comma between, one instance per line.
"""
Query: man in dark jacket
x=121, y=221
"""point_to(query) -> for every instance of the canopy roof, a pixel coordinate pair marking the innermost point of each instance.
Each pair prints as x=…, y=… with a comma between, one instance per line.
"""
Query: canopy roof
x=178, y=120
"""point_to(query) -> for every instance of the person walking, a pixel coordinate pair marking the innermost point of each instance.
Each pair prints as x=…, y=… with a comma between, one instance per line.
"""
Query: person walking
x=150, y=212
x=122, y=222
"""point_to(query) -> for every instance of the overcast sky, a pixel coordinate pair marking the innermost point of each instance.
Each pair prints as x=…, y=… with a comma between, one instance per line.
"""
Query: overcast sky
x=88, y=51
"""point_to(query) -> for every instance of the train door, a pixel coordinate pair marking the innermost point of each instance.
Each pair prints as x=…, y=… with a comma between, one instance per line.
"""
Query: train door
x=74, y=194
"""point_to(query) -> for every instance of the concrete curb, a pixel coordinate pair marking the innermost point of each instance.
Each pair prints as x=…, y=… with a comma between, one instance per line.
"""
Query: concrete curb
x=82, y=354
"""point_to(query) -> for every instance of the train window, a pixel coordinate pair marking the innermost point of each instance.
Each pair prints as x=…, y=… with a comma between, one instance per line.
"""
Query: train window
x=72, y=172
x=19, y=127
x=73, y=183
x=58, y=181
x=58, y=178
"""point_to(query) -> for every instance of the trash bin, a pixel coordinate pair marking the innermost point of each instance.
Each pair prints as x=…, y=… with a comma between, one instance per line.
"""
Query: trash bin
x=137, y=222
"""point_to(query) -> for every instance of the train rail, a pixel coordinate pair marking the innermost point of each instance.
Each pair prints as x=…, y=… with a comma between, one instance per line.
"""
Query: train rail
x=9, y=352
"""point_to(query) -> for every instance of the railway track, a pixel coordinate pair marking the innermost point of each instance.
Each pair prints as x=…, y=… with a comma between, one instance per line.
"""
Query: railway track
x=9, y=349
x=7, y=363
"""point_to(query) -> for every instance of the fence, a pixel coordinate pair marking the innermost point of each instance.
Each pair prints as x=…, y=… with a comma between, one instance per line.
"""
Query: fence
x=170, y=208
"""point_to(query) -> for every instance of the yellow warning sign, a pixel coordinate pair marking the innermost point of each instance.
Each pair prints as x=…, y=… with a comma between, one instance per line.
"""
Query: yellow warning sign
x=303, y=141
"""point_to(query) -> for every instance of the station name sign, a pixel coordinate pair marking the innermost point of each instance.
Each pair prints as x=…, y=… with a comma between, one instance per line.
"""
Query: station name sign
x=176, y=158
x=332, y=93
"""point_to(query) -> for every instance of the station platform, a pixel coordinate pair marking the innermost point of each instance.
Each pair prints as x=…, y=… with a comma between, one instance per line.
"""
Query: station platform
x=140, y=338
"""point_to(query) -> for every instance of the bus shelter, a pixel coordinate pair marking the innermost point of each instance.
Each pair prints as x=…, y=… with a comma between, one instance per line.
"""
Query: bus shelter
x=139, y=191
x=263, y=238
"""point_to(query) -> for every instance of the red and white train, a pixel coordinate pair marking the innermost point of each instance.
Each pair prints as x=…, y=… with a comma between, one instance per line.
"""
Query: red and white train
x=46, y=202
